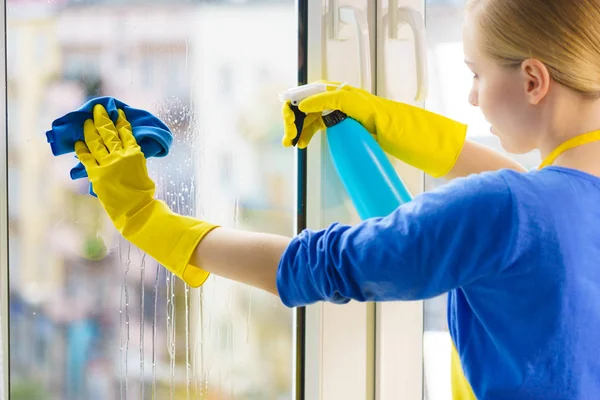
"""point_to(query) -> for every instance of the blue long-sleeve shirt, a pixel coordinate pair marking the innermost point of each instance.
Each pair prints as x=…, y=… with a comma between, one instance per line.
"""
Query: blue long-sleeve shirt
x=519, y=254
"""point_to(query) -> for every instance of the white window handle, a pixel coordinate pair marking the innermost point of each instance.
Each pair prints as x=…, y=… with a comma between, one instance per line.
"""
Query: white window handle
x=353, y=16
x=414, y=19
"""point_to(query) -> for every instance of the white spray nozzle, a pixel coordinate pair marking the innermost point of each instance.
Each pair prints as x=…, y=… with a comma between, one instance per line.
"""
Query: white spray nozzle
x=297, y=94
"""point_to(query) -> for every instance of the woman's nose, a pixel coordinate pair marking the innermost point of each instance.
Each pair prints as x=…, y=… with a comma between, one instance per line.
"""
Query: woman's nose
x=473, y=98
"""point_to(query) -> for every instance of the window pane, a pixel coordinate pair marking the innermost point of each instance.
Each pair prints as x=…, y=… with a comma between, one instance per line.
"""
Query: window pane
x=450, y=84
x=91, y=316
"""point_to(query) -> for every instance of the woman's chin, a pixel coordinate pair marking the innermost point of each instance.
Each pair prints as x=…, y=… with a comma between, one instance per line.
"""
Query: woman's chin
x=511, y=147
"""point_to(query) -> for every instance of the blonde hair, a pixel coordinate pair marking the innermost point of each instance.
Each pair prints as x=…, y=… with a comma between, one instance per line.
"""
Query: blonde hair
x=563, y=34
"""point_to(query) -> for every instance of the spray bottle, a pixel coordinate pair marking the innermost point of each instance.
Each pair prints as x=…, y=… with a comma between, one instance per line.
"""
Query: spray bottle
x=364, y=169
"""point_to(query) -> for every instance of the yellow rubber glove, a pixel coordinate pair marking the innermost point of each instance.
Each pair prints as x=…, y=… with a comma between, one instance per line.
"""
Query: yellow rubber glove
x=461, y=389
x=423, y=139
x=117, y=170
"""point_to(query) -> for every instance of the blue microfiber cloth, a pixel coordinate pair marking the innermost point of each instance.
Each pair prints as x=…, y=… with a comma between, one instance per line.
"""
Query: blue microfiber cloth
x=153, y=136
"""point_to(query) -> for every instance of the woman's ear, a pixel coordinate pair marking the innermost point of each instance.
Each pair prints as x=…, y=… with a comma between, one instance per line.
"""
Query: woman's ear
x=537, y=80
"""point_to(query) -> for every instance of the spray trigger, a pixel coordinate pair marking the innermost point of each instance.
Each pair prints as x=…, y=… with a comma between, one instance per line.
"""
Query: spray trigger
x=298, y=121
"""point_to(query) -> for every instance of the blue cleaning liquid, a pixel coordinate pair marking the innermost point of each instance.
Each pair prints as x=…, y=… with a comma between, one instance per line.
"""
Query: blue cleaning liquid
x=363, y=167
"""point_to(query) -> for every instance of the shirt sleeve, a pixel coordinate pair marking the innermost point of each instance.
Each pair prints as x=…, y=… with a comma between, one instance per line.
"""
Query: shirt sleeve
x=444, y=239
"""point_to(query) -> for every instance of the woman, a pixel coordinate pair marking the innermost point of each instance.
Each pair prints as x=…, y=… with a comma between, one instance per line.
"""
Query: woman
x=517, y=251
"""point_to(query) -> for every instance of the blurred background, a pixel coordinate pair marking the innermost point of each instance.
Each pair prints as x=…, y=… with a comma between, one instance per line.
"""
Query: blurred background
x=91, y=317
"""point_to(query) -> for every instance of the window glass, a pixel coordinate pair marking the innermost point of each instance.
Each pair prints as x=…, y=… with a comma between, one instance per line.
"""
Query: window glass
x=91, y=316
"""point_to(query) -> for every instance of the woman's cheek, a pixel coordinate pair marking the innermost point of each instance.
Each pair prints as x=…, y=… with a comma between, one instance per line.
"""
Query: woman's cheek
x=484, y=103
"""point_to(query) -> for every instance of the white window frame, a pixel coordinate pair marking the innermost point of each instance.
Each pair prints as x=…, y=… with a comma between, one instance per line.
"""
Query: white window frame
x=399, y=324
x=357, y=351
x=4, y=293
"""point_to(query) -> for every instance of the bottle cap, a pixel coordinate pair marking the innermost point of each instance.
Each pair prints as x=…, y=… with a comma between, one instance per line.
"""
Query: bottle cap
x=334, y=118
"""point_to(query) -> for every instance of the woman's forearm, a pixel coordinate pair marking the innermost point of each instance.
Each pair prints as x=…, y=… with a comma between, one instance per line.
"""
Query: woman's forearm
x=246, y=257
x=475, y=158
x=253, y=258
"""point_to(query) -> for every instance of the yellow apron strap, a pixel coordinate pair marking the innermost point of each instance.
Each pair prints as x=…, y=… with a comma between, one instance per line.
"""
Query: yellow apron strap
x=569, y=144
x=461, y=389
